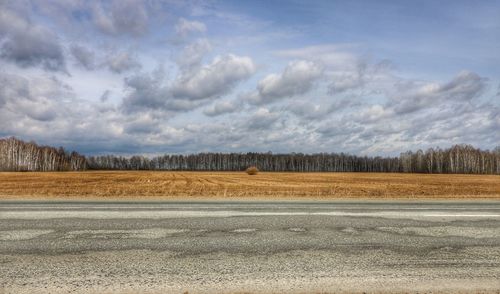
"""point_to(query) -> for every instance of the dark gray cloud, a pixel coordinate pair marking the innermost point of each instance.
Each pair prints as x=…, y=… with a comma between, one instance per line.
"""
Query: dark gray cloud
x=28, y=44
x=181, y=105
x=84, y=56
x=105, y=96
x=146, y=91
x=142, y=124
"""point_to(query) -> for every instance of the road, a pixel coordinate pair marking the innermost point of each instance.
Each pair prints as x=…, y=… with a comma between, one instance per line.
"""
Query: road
x=256, y=247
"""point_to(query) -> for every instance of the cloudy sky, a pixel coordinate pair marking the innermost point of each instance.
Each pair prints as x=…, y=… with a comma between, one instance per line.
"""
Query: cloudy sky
x=162, y=76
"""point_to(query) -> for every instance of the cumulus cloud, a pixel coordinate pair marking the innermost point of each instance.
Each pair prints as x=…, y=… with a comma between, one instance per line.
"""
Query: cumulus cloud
x=122, y=62
x=121, y=17
x=185, y=27
x=28, y=44
x=151, y=92
x=343, y=128
x=116, y=62
x=36, y=99
x=415, y=114
x=360, y=76
x=215, y=79
x=44, y=110
x=329, y=96
x=372, y=114
x=142, y=124
x=261, y=119
x=221, y=107
x=84, y=56
x=317, y=111
x=307, y=110
x=145, y=91
x=297, y=78
x=345, y=70
x=189, y=90
x=105, y=96
x=338, y=57
x=192, y=54
x=412, y=96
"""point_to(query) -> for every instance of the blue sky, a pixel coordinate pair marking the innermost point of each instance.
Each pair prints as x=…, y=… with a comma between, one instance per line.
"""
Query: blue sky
x=165, y=76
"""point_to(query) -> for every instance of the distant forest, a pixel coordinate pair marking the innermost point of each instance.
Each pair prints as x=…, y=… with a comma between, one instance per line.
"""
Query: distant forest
x=17, y=155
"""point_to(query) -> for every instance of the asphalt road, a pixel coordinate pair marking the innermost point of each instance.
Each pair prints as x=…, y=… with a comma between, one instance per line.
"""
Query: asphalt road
x=256, y=247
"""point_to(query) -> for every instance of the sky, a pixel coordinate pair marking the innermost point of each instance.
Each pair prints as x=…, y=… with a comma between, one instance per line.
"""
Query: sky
x=164, y=76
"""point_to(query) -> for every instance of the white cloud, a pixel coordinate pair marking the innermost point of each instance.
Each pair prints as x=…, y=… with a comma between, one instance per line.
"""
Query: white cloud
x=37, y=99
x=190, y=89
x=193, y=54
x=338, y=57
x=115, y=61
x=121, y=62
x=121, y=17
x=412, y=96
x=372, y=114
x=215, y=79
x=262, y=119
x=316, y=111
x=297, y=78
x=221, y=107
x=185, y=27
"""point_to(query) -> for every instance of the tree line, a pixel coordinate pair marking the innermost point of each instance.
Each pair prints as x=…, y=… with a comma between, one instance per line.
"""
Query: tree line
x=18, y=155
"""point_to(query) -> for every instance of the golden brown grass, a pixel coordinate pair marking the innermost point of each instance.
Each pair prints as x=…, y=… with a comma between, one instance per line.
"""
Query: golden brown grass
x=240, y=185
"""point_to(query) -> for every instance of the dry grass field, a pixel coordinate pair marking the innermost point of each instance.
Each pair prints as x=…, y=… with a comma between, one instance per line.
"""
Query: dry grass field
x=128, y=184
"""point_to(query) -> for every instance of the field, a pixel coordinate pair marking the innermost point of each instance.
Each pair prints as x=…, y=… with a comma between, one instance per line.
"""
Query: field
x=128, y=184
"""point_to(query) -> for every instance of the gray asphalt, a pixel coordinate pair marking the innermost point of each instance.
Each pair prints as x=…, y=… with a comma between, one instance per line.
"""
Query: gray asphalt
x=256, y=247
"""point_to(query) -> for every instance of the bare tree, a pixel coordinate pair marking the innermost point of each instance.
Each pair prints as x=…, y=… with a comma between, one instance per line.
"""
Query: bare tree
x=16, y=155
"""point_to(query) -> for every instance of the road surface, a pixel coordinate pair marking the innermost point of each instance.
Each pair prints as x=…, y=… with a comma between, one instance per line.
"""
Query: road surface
x=255, y=247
